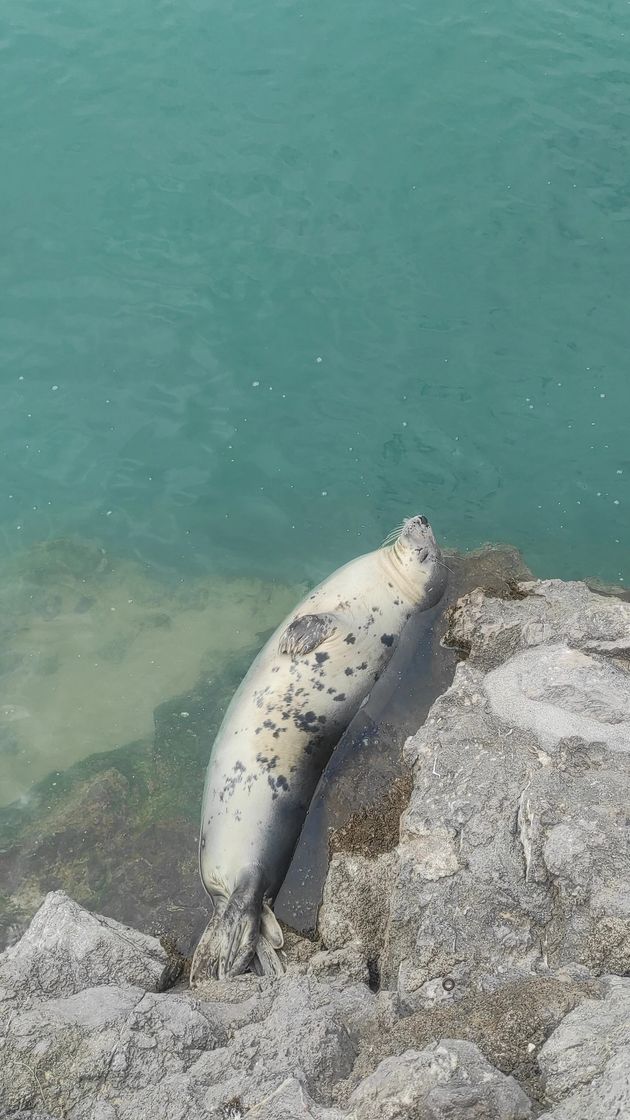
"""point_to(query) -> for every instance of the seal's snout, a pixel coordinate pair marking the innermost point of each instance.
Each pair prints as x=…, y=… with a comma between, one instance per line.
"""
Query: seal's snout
x=418, y=535
x=419, y=524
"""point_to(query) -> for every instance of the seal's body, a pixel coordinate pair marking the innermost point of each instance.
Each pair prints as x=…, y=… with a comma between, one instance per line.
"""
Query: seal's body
x=297, y=699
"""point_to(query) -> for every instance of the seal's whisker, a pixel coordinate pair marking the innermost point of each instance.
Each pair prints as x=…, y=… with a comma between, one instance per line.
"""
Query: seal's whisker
x=392, y=535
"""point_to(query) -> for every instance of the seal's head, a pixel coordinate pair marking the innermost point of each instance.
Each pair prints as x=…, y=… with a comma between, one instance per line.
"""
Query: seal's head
x=416, y=556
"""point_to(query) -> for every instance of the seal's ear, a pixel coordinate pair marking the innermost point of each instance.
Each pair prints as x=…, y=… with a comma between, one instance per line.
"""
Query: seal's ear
x=306, y=633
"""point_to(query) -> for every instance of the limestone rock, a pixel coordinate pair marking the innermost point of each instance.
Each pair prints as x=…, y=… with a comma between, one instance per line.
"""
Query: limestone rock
x=290, y=1102
x=514, y=857
x=493, y=629
x=355, y=902
x=586, y=1061
x=448, y=1078
x=66, y=949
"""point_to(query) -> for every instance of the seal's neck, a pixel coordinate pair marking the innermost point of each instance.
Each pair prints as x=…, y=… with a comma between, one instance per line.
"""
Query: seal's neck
x=408, y=577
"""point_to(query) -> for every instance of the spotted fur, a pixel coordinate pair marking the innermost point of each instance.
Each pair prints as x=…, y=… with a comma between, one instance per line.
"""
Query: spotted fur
x=308, y=682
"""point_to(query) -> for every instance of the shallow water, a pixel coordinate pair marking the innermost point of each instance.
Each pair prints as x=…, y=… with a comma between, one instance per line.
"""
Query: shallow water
x=272, y=278
x=92, y=649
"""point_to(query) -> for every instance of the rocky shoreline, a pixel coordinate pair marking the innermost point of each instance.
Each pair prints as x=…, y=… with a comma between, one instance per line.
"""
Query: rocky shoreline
x=479, y=968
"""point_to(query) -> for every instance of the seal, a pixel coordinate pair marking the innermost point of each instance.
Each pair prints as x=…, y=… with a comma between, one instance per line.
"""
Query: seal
x=299, y=696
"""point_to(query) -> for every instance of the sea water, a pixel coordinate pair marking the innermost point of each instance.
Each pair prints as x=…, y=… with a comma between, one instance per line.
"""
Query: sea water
x=273, y=277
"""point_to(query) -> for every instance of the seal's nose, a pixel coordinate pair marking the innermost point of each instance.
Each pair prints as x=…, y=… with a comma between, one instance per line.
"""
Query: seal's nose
x=422, y=519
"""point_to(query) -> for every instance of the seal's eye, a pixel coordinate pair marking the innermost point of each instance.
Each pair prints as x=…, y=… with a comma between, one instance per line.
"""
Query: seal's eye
x=422, y=554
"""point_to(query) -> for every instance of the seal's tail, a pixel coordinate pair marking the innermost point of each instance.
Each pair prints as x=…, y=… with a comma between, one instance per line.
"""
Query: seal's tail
x=242, y=932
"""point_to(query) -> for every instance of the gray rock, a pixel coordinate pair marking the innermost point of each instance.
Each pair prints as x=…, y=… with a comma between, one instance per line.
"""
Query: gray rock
x=355, y=902
x=115, y=1044
x=446, y=1079
x=290, y=1102
x=493, y=629
x=115, y=1050
x=28, y=1114
x=66, y=949
x=559, y=693
x=271, y=1049
x=514, y=856
x=586, y=1061
x=312, y=1031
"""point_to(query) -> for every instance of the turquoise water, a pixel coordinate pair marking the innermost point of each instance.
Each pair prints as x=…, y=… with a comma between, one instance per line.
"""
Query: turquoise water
x=275, y=275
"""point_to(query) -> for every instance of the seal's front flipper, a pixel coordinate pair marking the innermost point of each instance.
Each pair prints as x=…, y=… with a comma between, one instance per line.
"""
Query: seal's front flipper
x=306, y=633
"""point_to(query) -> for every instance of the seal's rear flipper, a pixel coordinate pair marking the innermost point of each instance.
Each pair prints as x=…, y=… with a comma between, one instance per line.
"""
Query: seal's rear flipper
x=241, y=932
x=271, y=940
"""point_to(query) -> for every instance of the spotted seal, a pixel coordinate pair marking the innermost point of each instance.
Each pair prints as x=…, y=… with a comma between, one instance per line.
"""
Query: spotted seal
x=298, y=697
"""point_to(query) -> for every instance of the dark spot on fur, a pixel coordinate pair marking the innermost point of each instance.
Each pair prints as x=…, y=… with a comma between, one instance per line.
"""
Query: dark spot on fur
x=330, y=691
x=321, y=719
x=319, y=686
x=321, y=657
x=350, y=639
x=340, y=696
x=349, y=672
x=276, y=669
x=281, y=782
x=304, y=721
x=269, y=724
x=387, y=639
x=239, y=768
x=362, y=666
x=266, y=762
